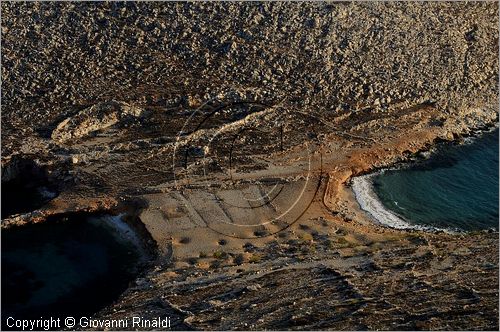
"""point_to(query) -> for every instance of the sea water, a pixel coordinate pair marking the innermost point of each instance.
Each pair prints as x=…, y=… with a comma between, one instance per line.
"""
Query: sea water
x=71, y=265
x=456, y=188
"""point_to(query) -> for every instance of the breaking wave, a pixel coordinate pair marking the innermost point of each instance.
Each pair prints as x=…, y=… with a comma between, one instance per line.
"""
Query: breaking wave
x=370, y=203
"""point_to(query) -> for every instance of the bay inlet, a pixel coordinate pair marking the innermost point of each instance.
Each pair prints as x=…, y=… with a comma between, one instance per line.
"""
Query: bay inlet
x=455, y=188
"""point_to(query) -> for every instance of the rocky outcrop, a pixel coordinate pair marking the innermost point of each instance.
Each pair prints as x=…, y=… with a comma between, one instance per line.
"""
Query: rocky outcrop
x=95, y=118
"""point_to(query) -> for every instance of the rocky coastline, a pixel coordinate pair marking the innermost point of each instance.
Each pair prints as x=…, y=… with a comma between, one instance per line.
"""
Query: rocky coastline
x=227, y=134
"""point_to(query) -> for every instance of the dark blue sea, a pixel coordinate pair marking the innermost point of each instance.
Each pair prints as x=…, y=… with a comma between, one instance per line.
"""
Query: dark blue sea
x=63, y=267
x=456, y=188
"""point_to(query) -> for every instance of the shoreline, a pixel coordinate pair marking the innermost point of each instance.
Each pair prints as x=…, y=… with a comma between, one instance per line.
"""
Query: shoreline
x=366, y=197
x=123, y=231
x=132, y=209
x=337, y=235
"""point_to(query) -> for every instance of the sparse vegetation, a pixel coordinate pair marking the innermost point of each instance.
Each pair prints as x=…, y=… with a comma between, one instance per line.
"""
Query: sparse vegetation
x=342, y=242
x=192, y=260
x=260, y=233
x=255, y=258
x=239, y=259
x=220, y=255
x=306, y=237
x=184, y=240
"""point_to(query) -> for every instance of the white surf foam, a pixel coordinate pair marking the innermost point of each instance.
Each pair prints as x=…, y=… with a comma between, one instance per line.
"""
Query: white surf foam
x=370, y=203
x=121, y=230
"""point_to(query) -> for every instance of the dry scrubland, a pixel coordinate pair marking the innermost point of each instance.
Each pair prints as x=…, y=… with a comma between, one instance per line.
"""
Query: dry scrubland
x=227, y=132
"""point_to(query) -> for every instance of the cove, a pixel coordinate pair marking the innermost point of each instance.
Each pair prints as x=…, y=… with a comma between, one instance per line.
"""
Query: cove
x=456, y=188
x=71, y=265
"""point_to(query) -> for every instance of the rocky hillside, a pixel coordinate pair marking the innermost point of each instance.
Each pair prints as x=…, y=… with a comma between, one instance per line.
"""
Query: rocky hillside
x=58, y=58
x=226, y=134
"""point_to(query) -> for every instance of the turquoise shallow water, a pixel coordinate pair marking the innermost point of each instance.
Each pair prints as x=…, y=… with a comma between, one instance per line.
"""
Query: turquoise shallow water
x=457, y=187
